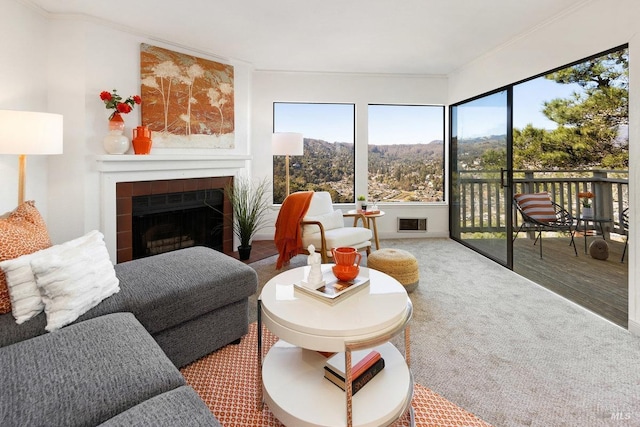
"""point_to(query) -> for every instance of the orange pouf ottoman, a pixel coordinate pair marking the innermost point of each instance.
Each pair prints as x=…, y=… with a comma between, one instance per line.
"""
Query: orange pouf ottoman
x=397, y=263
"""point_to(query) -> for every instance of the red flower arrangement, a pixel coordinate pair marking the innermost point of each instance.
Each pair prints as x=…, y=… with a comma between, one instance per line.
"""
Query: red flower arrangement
x=586, y=197
x=113, y=101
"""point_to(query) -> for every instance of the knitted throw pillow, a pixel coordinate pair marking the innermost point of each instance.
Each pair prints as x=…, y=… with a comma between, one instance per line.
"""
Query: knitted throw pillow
x=21, y=233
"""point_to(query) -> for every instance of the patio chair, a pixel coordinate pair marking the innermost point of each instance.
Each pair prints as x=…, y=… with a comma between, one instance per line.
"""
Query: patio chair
x=625, y=226
x=539, y=213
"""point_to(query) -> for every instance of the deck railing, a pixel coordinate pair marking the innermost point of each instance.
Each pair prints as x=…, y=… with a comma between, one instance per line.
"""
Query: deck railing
x=482, y=196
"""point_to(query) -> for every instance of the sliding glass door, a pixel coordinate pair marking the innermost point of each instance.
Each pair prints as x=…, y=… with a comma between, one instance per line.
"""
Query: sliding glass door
x=481, y=175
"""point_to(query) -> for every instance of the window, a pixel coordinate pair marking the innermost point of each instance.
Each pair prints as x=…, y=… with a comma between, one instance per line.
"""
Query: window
x=575, y=117
x=329, y=158
x=406, y=153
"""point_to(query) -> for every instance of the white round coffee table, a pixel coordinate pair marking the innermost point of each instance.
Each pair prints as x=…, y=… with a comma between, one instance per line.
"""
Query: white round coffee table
x=294, y=386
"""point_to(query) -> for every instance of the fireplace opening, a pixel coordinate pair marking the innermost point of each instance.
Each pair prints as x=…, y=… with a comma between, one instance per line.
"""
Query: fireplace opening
x=171, y=221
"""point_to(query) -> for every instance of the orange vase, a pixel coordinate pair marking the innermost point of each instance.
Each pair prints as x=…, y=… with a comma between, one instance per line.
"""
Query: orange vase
x=116, y=122
x=141, y=140
x=115, y=142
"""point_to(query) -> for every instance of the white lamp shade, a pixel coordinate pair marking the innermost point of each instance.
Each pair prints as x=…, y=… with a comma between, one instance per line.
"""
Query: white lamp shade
x=287, y=143
x=26, y=132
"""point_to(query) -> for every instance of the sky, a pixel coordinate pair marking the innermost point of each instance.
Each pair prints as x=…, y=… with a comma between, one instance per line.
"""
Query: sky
x=329, y=122
x=390, y=124
x=487, y=116
x=405, y=124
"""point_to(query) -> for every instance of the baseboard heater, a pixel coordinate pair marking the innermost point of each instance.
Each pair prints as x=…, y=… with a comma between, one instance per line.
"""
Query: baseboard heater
x=412, y=224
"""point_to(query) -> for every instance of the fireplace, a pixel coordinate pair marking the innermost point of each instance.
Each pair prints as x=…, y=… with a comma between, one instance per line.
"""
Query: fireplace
x=167, y=222
x=163, y=215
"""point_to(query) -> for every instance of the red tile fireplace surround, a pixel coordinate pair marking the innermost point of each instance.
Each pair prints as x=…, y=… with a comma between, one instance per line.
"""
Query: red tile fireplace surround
x=125, y=191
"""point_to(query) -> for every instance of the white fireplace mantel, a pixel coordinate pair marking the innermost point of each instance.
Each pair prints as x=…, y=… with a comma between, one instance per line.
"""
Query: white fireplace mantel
x=131, y=168
x=167, y=162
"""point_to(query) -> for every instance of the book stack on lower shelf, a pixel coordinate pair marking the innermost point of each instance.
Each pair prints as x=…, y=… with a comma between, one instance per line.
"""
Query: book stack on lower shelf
x=366, y=364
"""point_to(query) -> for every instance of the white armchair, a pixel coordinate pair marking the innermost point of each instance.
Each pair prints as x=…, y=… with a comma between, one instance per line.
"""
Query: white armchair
x=323, y=227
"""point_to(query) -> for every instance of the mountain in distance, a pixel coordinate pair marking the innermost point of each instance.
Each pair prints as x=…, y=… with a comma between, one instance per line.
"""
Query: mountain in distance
x=397, y=172
x=483, y=139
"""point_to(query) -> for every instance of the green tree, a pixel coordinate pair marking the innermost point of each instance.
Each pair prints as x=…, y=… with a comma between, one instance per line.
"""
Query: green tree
x=589, y=123
x=493, y=159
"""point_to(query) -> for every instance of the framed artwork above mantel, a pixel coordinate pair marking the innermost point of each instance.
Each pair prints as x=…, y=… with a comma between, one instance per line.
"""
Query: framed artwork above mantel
x=187, y=102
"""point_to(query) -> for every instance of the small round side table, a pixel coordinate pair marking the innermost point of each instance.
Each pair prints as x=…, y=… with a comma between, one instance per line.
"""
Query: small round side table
x=371, y=222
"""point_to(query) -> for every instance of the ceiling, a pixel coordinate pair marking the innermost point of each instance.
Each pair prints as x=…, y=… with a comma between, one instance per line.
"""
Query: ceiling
x=362, y=36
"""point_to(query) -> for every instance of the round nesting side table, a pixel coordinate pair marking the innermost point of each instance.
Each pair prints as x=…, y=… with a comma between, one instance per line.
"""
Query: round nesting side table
x=292, y=372
x=371, y=222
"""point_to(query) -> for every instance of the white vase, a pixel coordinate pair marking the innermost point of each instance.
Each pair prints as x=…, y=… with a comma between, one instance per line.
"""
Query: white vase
x=116, y=142
x=587, y=212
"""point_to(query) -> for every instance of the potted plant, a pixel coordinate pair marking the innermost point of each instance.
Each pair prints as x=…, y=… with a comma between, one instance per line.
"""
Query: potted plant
x=250, y=205
x=587, y=210
x=361, y=203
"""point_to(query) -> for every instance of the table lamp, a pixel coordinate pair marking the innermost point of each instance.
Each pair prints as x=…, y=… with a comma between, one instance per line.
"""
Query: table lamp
x=287, y=144
x=26, y=132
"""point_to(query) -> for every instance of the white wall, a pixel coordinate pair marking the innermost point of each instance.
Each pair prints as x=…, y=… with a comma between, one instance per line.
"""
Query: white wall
x=594, y=27
x=23, y=86
x=361, y=90
x=86, y=58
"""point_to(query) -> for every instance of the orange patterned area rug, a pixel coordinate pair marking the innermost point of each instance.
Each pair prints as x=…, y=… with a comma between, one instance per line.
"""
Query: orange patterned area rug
x=227, y=381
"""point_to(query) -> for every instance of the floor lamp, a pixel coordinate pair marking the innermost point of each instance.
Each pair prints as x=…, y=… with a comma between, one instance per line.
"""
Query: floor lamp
x=287, y=144
x=25, y=132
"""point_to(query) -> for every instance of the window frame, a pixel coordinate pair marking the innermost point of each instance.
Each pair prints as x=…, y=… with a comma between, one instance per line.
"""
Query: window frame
x=354, y=125
x=445, y=178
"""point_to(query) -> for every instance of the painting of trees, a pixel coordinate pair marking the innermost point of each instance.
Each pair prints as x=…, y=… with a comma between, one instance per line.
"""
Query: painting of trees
x=187, y=102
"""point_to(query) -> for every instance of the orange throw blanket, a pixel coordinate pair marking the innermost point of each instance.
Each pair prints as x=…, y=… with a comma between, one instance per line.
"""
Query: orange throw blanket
x=288, y=237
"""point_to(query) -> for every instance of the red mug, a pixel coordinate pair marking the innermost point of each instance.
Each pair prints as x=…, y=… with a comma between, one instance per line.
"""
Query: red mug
x=346, y=256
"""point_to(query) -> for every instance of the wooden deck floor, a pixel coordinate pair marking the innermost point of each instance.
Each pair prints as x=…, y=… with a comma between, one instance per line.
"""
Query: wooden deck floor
x=600, y=286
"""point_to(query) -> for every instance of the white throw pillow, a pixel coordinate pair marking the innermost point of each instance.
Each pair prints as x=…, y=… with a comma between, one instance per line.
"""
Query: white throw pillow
x=74, y=279
x=26, y=300
x=329, y=222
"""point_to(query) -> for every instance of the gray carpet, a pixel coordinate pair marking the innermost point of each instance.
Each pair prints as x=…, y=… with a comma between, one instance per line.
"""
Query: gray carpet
x=508, y=350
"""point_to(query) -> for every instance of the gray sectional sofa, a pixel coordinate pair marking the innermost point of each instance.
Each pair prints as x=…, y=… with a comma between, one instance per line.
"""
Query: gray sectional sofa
x=117, y=364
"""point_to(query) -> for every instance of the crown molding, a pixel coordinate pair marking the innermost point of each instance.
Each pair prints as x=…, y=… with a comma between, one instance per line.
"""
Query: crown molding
x=353, y=73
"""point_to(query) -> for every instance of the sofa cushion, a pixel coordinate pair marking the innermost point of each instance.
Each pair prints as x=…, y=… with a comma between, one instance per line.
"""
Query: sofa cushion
x=74, y=279
x=11, y=332
x=26, y=298
x=357, y=237
x=329, y=221
x=169, y=289
x=321, y=204
x=21, y=233
x=179, y=407
x=189, y=341
x=84, y=374
x=163, y=291
x=26, y=301
x=537, y=206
